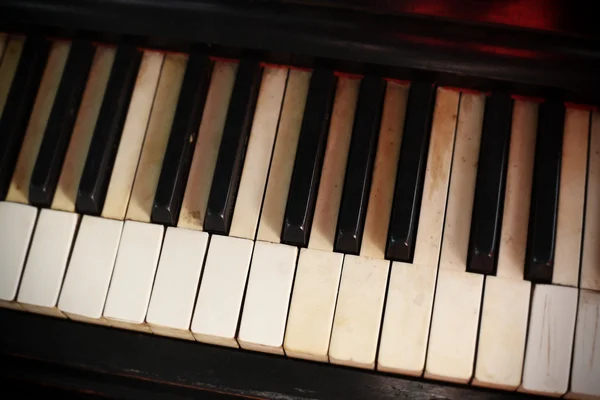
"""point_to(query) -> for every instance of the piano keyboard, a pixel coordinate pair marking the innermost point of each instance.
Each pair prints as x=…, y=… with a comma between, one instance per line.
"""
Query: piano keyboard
x=355, y=220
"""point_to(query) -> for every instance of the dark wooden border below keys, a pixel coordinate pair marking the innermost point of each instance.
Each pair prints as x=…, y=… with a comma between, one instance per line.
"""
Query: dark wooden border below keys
x=173, y=364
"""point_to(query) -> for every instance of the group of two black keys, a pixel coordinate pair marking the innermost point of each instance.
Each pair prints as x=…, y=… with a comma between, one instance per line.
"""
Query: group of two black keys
x=489, y=193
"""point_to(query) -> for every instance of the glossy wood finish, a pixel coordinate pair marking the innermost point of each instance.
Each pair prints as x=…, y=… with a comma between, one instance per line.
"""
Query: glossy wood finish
x=460, y=38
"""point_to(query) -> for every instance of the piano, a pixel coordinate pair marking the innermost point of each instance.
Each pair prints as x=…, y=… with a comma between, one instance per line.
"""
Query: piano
x=300, y=199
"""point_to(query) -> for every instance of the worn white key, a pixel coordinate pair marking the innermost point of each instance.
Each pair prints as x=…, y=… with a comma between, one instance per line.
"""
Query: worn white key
x=132, y=138
x=16, y=225
x=411, y=288
x=133, y=275
x=207, y=146
x=549, y=340
x=3, y=38
x=358, y=312
x=437, y=177
x=457, y=225
x=221, y=291
x=312, y=305
x=586, y=351
x=590, y=260
x=267, y=297
x=502, y=334
x=90, y=268
x=519, y=176
x=18, y=190
x=258, y=153
x=569, y=225
x=381, y=195
x=403, y=343
x=455, y=313
x=284, y=154
x=47, y=261
x=329, y=196
x=83, y=130
x=157, y=136
x=505, y=311
x=8, y=67
x=455, y=318
x=177, y=278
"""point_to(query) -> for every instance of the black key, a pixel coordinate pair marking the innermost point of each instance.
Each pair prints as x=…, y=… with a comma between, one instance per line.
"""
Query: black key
x=544, y=195
x=232, y=151
x=411, y=173
x=357, y=183
x=488, y=203
x=19, y=103
x=304, y=184
x=107, y=133
x=176, y=163
x=60, y=124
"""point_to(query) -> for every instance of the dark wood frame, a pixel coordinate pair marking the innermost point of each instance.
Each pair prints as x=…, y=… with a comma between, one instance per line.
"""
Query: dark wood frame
x=387, y=40
x=117, y=363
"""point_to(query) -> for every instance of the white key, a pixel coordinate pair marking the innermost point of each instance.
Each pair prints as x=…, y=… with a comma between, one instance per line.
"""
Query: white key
x=176, y=283
x=133, y=275
x=590, y=264
x=83, y=130
x=16, y=225
x=157, y=136
x=502, y=334
x=221, y=291
x=569, y=225
x=132, y=138
x=519, y=177
x=267, y=297
x=411, y=288
x=91, y=265
x=381, y=195
x=457, y=225
x=358, y=312
x=586, y=352
x=8, y=67
x=47, y=262
x=505, y=311
x=258, y=153
x=3, y=38
x=406, y=320
x=312, y=306
x=437, y=177
x=207, y=146
x=456, y=313
x=549, y=340
x=455, y=319
x=19, y=185
x=329, y=196
x=284, y=154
